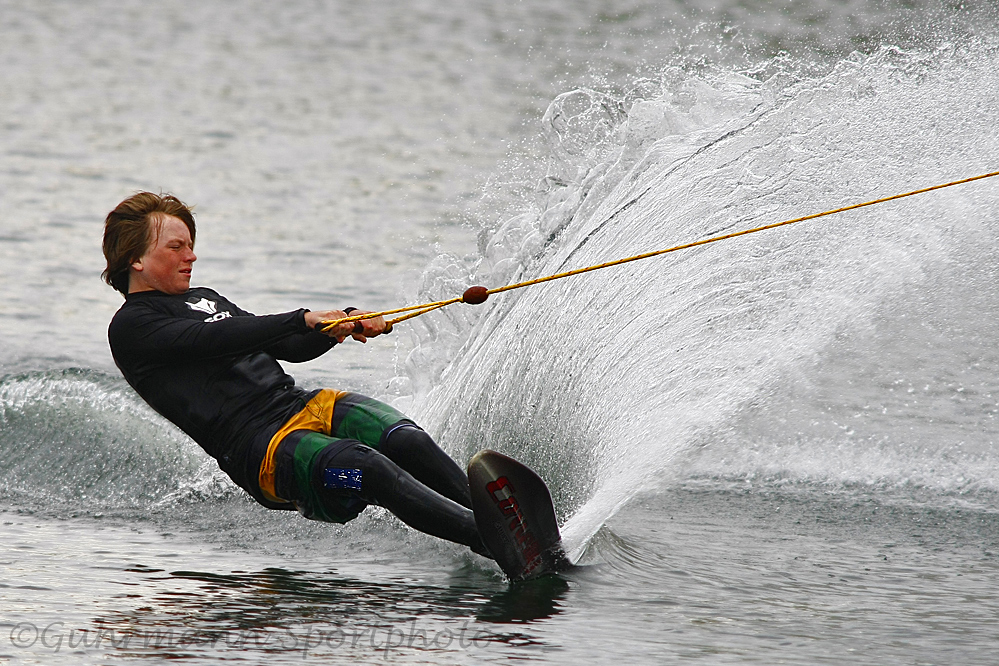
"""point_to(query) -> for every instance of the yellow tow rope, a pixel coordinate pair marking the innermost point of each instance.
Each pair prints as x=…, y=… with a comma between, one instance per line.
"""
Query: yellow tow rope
x=476, y=295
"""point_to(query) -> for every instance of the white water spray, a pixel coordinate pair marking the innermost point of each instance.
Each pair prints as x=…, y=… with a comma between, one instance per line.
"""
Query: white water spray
x=604, y=381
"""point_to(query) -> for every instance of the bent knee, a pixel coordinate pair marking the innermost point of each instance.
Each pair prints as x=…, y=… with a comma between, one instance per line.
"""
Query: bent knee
x=407, y=438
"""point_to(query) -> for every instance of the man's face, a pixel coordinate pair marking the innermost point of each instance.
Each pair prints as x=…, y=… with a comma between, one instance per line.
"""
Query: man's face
x=166, y=264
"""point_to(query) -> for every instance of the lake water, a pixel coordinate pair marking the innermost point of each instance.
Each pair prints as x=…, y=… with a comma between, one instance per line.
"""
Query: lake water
x=774, y=449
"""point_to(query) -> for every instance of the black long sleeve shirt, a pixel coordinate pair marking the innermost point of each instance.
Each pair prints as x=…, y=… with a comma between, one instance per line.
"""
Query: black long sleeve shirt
x=211, y=369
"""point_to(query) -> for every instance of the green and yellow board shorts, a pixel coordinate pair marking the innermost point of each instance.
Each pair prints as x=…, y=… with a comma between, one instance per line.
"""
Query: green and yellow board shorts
x=317, y=455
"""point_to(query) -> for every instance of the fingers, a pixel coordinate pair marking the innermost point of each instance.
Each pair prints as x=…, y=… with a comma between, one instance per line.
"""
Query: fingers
x=374, y=326
x=315, y=317
x=338, y=332
x=359, y=330
x=368, y=328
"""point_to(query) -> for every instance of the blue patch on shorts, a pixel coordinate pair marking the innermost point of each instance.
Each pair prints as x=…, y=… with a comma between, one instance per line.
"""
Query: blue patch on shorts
x=341, y=478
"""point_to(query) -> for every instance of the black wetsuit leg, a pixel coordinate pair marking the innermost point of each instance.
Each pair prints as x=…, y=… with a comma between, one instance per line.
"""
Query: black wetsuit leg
x=412, y=449
x=387, y=484
x=391, y=432
x=334, y=479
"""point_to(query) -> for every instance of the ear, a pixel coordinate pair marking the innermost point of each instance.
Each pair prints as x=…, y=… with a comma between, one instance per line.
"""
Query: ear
x=137, y=265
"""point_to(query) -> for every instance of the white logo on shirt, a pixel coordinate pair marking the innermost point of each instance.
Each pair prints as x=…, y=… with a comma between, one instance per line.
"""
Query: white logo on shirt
x=204, y=305
x=208, y=307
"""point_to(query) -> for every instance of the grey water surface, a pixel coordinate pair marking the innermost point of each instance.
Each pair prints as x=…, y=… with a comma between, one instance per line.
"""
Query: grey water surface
x=776, y=449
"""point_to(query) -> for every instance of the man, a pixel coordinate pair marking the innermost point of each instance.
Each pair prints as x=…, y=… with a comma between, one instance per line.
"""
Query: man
x=211, y=368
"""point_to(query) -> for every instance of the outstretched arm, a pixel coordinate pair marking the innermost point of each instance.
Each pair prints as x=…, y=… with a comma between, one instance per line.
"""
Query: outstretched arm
x=147, y=332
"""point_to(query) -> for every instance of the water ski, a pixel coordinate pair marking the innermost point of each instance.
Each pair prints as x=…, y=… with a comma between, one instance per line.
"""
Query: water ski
x=515, y=516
